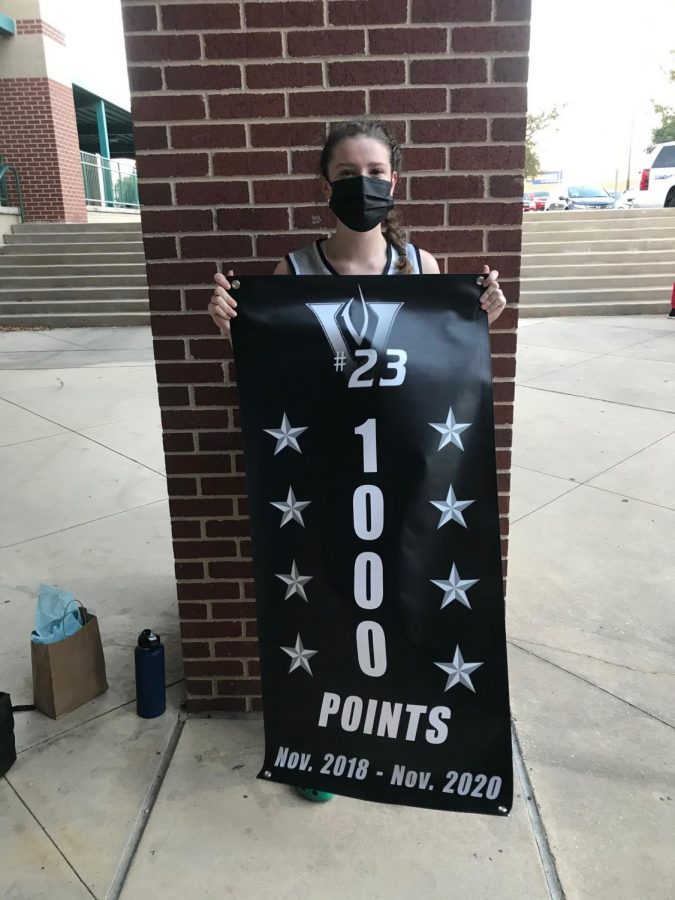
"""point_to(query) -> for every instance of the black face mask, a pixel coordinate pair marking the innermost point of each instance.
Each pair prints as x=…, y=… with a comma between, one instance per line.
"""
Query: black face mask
x=360, y=202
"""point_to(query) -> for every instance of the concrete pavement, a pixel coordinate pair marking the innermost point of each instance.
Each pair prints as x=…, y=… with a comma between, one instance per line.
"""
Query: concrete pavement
x=99, y=804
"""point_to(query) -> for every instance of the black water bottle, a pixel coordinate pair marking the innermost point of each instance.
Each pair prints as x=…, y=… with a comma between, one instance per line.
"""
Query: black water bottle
x=150, y=689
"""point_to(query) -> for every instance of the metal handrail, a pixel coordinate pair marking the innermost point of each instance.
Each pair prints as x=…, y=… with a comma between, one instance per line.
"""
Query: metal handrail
x=109, y=182
x=6, y=170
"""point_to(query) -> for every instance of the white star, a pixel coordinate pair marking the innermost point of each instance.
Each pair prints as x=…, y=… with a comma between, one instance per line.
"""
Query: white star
x=451, y=508
x=450, y=431
x=458, y=671
x=285, y=435
x=300, y=657
x=455, y=588
x=296, y=583
x=291, y=508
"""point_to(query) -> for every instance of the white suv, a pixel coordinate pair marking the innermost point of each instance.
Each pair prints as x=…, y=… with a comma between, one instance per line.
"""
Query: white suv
x=657, y=178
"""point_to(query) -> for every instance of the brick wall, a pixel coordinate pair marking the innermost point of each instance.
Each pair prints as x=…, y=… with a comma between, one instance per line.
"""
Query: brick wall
x=38, y=26
x=230, y=104
x=38, y=135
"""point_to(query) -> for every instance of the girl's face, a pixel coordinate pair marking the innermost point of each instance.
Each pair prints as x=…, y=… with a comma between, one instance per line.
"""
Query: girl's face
x=360, y=156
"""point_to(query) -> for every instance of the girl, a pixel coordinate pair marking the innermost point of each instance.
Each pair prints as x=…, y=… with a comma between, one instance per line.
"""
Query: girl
x=360, y=165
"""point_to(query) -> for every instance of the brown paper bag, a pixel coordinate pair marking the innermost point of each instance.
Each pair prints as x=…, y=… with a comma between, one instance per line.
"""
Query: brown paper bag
x=70, y=672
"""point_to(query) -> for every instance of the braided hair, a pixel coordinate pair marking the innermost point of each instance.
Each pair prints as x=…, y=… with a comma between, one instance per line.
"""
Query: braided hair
x=394, y=231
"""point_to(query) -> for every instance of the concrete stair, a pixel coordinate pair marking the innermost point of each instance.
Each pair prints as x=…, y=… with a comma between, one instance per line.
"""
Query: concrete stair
x=605, y=262
x=574, y=263
x=61, y=275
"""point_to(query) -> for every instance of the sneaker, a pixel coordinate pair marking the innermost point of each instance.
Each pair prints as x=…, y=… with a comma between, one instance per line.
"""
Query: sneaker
x=671, y=314
x=314, y=795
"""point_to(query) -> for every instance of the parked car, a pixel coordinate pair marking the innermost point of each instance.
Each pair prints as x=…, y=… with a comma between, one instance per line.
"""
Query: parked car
x=657, y=178
x=586, y=196
x=528, y=203
x=545, y=200
x=625, y=200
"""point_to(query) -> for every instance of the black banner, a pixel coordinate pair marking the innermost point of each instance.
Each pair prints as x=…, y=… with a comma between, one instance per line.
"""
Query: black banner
x=368, y=425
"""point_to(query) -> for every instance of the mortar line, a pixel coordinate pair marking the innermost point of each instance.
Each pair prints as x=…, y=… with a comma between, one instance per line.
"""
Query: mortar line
x=593, y=685
x=136, y=835
x=546, y=856
x=51, y=839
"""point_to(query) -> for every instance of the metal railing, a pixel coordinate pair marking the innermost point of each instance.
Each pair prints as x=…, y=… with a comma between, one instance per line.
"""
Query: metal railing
x=109, y=182
x=11, y=196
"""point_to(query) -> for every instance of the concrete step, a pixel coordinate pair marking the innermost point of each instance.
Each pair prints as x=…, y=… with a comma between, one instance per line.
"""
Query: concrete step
x=554, y=297
x=595, y=282
x=74, y=320
x=601, y=223
x=68, y=248
x=70, y=306
x=621, y=234
x=600, y=245
x=73, y=237
x=91, y=294
x=56, y=280
x=26, y=258
x=599, y=308
x=595, y=266
x=9, y=269
x=603, y=215
x=41, y=227
x=587, y=258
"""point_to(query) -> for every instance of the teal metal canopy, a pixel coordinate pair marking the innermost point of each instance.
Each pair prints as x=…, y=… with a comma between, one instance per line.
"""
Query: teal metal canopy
x=100, y=121
x=7, y=25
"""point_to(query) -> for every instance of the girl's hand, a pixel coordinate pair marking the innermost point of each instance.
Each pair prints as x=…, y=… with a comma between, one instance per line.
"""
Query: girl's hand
x=492, y=299
x=222, y=307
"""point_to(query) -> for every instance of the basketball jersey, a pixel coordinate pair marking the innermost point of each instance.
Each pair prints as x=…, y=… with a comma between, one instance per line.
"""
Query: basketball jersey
x=310, y=260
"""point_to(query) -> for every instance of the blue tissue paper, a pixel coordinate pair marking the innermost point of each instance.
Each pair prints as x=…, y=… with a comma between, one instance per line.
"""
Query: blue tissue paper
x=54, y=620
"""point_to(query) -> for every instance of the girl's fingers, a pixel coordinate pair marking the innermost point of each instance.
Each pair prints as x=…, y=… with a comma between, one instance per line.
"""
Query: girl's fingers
x=220, y=296
x=489, y=295
x=219, y=307
x=223, y=312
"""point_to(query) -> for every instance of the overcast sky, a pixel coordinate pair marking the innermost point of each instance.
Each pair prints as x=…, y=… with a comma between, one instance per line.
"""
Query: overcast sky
x=599, y=61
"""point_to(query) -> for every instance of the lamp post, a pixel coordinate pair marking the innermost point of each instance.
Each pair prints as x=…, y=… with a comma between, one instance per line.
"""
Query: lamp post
x=630, y=148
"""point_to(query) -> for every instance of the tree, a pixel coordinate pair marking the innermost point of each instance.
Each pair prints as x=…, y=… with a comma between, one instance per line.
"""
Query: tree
x=665, y=130
x=536, y=122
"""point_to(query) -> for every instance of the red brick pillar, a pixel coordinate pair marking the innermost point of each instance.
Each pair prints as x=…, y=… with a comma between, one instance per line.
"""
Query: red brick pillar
x=38, y=132
x=230, y=104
